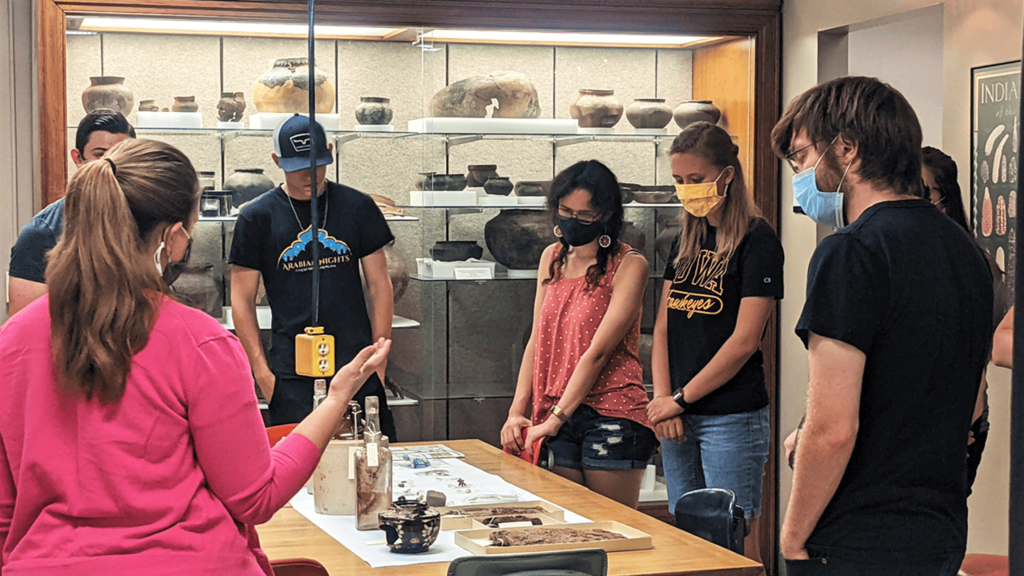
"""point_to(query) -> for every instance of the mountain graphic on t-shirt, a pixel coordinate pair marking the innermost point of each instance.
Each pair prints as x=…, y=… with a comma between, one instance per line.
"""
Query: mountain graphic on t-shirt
x=305, y=237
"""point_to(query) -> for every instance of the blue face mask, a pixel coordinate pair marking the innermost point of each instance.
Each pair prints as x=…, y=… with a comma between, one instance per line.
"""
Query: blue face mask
x=825, y=208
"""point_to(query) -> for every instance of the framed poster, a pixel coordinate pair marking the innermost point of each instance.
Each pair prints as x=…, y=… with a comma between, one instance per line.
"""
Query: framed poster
x=995, y=146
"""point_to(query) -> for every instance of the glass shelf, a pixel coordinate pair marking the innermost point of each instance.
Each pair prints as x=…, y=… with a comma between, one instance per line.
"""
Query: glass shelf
x=263, y=318
x=501, y=276
x=479, y=207
x=235, y=217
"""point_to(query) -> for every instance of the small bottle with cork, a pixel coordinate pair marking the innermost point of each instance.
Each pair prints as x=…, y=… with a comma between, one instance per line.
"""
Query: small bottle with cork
x=373, y=471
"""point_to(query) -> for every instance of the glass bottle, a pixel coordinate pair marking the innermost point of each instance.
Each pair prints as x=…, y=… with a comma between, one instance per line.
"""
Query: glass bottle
x=373, y=471
x=319, y=395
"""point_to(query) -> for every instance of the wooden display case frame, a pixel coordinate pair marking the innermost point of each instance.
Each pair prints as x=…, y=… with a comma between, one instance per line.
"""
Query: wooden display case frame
x=758, y=20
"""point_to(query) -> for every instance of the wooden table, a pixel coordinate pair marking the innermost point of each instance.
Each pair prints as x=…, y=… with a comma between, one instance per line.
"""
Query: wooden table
x=291, y=535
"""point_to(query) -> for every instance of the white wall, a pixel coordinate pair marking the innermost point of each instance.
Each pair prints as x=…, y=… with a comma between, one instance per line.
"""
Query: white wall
x=17, y=128
x=976, y=33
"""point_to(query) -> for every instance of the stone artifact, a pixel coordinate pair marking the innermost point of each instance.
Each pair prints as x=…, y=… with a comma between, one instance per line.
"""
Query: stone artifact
x=469, y=98
x=410, y=526
x=285, y=88
x=374, y=111
x=246, y=184
x=230, y=106
x=559, y=535
x=456, y=250
x=185, y=104
x=108, y=92
x=148, y=106
x=533, y=187
x=496, y=511
x=477, y=174
x=497, y=521
x=696, y=111
x=596, y=108
x=649, y=113
x=518, y=237
x=498, y=186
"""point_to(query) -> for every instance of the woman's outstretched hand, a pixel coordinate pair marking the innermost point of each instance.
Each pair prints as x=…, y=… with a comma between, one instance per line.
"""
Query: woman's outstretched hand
x=350, y=378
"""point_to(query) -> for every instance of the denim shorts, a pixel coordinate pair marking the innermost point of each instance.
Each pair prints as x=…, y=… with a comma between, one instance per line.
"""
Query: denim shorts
x=720, y=451
x=595, y=442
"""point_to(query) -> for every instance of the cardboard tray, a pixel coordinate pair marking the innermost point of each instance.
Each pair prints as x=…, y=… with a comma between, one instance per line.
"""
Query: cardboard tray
x=551, y=512
x=478, y=541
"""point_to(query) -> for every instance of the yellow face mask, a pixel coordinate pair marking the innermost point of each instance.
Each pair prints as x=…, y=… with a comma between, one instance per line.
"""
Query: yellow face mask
x=699, y=199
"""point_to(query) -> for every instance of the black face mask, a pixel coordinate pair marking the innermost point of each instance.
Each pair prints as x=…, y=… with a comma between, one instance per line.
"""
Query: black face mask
x=174, y=269
x=577, y=233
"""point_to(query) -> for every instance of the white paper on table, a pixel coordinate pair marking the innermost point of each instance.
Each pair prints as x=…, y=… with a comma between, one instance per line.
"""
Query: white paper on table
x=377, y=554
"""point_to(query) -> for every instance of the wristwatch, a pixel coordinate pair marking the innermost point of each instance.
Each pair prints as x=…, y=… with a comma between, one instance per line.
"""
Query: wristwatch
x=678, y=399
x=559, y=413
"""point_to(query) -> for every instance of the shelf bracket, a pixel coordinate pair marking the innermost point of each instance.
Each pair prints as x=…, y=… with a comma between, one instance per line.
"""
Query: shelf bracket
x=342, y=139
x=571, y=140
x=460, y=140
x=228, y=135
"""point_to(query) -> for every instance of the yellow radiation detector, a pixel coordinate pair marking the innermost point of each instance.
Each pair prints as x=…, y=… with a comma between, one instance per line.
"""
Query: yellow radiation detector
x=314, y=353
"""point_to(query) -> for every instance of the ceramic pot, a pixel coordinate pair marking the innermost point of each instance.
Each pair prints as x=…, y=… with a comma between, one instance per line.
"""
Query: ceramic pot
x=456, y=250
x=108, y=92
x=196, y=287
x=498, y=186
x=649, y=113
x=398, y=270
x=477, y=174
x=374, y=111
x=230, y=106
x=656, y=195
x=628, y=191
x=456, y=182
x=633, y=236
x=410, y=526
x=148, y=106
x=185, y=104
x=696, y=111
x=663, y=241
x=517, y=237
x=533, y=187
x=285, y=88
x=596, y=108
x=246, y=184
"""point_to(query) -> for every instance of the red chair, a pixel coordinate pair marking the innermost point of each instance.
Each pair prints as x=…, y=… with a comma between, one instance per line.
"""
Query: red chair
x=276, y=433
x=985, y=565
x=298, y=567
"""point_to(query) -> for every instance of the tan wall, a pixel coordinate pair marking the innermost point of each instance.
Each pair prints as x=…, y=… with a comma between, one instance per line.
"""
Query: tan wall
x=977, y=32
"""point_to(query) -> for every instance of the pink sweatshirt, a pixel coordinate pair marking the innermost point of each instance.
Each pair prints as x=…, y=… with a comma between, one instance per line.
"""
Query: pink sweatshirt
x=168, y=480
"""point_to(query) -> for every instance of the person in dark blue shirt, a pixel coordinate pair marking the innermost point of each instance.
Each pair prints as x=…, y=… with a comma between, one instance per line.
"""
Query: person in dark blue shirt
x=99, y=131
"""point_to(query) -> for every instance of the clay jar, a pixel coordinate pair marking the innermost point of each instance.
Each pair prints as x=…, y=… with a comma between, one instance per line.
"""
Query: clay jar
x=398, y=270
x=285, y=88
x=517, y=238
x=441, y=182
x=533, y=187
x=108, y=92
x=663, y=241
x=456, y=250
x=649, y=113
x=230, y=106
x=246, y=184
x=498, y=186
x=596, y=108
x=410, y=526
x=185, y=104
x=148, y=106
x=374, y=111
x=477, y=174
x=696, y=111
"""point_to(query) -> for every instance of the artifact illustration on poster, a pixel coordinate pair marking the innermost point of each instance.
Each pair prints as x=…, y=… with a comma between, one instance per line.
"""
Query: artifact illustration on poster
x=995, y=125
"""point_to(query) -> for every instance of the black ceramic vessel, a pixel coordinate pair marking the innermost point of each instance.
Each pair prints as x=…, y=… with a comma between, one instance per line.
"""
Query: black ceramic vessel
x=517, y=237
x=410, y=526
x=456, y=251
x=246, y=184
x=498, y=186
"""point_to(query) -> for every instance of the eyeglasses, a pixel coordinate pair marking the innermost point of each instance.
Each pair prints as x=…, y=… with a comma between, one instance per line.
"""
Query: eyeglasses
x=791, y=161
x=585, y=218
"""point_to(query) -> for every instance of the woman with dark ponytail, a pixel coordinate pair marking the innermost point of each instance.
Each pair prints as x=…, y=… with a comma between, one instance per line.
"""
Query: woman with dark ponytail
x=581, y=367
x=710, y=405
x=130, y=438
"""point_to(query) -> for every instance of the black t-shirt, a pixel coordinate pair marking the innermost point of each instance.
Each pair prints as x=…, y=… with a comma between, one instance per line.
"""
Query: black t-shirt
x=269, y=238
x=910, y=289
x=703, y=306
x=39, y=236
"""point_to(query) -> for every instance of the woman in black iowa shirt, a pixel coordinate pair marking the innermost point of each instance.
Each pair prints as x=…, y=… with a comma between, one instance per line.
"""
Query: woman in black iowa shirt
x=710, y=403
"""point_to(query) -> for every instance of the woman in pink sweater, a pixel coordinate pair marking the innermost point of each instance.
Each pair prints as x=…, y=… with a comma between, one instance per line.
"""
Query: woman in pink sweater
x=130, y=439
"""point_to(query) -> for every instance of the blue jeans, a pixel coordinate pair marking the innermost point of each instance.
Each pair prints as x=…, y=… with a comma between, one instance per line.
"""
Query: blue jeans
x=824, y=566
x=592, y=441
x=720, y=451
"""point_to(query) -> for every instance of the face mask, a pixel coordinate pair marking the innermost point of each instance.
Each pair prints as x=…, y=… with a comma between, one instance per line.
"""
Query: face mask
x=825, y=208
x=699, y=199
x=577, y=233
x=174, y=269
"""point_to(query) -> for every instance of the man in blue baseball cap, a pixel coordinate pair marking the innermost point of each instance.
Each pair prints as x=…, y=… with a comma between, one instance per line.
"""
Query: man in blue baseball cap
x=272, y=241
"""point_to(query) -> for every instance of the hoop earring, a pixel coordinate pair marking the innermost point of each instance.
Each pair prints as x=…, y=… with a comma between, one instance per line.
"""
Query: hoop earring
x=558, y=231
x=604, y=241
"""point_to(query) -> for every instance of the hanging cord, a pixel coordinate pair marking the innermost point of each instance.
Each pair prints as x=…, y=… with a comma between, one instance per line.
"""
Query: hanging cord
x=314, y=210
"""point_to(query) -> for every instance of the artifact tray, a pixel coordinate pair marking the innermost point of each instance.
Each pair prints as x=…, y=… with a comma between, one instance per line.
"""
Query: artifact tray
x=463, y=517
x=478, y=541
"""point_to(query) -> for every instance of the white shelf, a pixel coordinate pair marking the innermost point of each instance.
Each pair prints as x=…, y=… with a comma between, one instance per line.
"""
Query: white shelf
x=264, y=318
x=234, y=218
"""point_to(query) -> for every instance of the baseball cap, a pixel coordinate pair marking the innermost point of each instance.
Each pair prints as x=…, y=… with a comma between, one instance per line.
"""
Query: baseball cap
x=292, y=142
